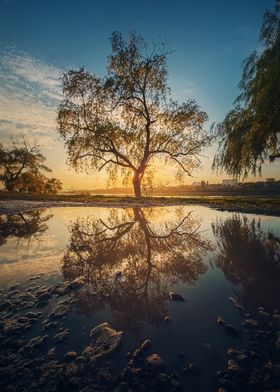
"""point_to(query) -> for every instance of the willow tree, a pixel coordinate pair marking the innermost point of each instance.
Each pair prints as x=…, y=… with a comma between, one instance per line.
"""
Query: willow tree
x=249, y=133
x=127, y=119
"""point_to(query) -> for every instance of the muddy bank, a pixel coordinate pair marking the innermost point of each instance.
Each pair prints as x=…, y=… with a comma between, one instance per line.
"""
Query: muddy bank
x=267, y=207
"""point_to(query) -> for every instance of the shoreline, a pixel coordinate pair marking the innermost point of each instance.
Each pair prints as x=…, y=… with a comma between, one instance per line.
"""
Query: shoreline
x=14, y=203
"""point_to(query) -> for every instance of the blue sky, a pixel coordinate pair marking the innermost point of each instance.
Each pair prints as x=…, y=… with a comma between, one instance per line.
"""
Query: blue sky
x=41, y=39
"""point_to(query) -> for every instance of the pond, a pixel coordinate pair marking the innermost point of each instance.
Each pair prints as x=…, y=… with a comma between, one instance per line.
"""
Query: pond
x=123, y=265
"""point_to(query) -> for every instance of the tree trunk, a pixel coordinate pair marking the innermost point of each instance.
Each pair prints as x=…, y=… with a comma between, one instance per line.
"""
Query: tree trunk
x=136, y=185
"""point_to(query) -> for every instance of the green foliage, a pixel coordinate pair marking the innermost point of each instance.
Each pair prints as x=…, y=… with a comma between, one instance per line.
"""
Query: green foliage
x=127, y=120
x=250, y=132
x=21, y=169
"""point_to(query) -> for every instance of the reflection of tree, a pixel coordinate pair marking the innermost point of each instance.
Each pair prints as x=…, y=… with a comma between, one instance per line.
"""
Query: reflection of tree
x=23, y=225
x=250, y=258
x=131, y=264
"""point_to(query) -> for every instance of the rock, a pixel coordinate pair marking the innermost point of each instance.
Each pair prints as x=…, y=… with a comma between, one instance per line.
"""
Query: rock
x=70, y=355
x=88, y=352
x=13, y=325
x=136, y=354
x=49, y=324
x=32, y=278
x=231, y=352
x=175, y=296
x=251, y=323
x=145, y=345
x=33, y=315
x=35, y=342
x=59, y=312
x=44, y=295
x=104, y=340
x=221, y=321
x=51, y=353
x=233, y=366
x=61, y=336
x=76, y=284
x=154, y=361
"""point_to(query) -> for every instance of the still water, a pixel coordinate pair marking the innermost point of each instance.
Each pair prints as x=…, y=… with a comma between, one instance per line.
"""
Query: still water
x=131, y=259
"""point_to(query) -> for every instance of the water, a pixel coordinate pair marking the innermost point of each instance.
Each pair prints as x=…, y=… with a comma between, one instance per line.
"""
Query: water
x=131, y=259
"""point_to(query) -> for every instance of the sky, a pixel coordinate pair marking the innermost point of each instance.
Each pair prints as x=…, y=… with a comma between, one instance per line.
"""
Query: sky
x=40, y=40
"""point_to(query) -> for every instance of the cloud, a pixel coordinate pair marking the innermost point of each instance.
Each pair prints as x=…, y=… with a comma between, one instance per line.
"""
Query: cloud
x=29, y=95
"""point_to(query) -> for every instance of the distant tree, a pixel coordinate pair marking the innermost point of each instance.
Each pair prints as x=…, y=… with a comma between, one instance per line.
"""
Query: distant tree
x=249, y=133
x=52, y=185
x=127, y=119
x=37, y=183
x=21, y=169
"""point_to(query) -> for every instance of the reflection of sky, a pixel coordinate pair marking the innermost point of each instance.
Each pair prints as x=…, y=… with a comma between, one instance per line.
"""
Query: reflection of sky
x=19, y=260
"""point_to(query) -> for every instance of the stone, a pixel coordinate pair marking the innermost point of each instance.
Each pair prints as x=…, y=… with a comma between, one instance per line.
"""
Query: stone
x=76, y=283
x=33, y=315
x=104, y=340
x=61, y=336
x=233, y=366
x=51, y=353
x=221, y=321
x=175, y=296
x=70, y=355
x=145, y=345
x=36, y=342
x=49, y=324
x=251, y=323
x=154, y=361
x=59, y=312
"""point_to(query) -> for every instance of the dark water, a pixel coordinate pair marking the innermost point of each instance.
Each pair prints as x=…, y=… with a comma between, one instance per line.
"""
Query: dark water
x=131, y=259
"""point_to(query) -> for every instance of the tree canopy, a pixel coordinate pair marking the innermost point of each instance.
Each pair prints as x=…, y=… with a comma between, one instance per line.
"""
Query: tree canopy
x=249, y=133
x=21, y=167
x=126, y=120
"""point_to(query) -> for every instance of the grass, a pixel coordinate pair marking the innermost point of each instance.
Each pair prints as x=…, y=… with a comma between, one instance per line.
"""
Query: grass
x=261, y=204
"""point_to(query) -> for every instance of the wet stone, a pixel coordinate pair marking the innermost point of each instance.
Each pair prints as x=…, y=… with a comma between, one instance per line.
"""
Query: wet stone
x=70, y=356
x=51, y=353
x=232, y=365
x=145, y=345
x=76, y=284
x=48, y=325
x=33, y=315
x=59, y=312
x=251, y=323
x=154, y=361
x=104, y=340
x=61, y=336
x=36, y=342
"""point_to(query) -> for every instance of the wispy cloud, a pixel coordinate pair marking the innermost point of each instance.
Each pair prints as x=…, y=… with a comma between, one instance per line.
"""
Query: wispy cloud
x=29, y=95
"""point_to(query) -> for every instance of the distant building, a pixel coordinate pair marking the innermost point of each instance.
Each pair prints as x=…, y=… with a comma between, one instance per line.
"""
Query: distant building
x=197, y=183
x=230, y=182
